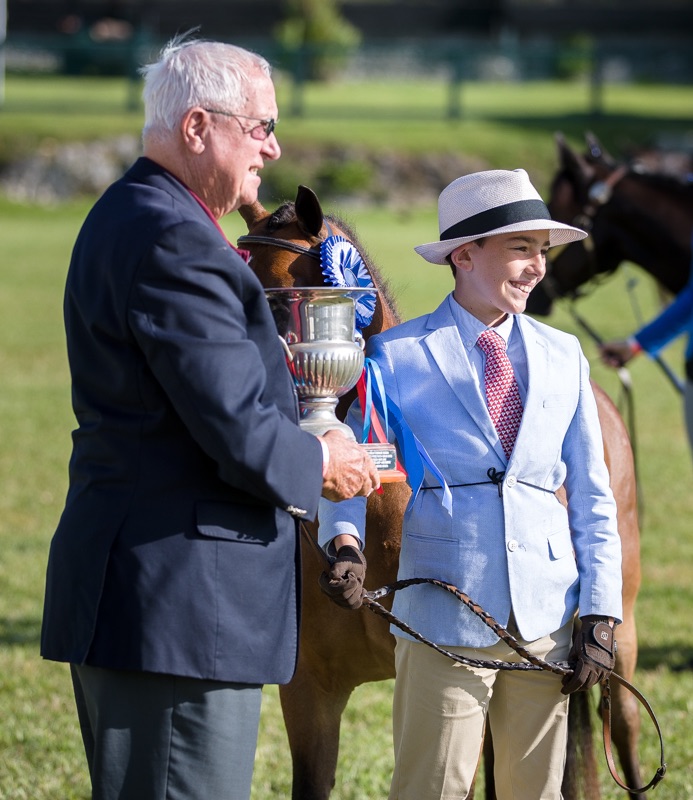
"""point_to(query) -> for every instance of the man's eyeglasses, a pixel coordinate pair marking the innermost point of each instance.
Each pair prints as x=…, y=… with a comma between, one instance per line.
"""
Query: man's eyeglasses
x=261, y=131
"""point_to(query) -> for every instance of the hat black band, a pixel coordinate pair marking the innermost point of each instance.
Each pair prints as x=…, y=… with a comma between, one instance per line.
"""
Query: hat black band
x=499, y=217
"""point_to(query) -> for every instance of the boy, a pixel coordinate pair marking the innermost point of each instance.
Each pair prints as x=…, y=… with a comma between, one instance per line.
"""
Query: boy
x=506, y=430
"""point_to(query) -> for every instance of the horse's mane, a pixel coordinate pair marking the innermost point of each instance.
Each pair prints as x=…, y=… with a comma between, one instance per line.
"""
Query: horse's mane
x=286, y=215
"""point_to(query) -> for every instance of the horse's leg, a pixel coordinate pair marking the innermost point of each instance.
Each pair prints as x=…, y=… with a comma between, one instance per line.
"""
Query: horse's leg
x=313, y=715
x=489, y=762
x=580, y=779
x=625, y=717
x=338, y=651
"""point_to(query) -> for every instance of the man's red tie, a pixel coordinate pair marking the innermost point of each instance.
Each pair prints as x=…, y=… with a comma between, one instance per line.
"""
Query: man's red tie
x=502, y=395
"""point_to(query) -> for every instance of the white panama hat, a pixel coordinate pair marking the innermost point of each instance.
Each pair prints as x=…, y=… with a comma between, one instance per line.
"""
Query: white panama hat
x=489, y=203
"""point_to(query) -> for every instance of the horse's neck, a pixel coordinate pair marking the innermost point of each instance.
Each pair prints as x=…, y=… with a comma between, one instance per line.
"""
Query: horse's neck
x=658, y=238
x=386, y=315
x=665, y=260
x=390, y=318
x=666, y=205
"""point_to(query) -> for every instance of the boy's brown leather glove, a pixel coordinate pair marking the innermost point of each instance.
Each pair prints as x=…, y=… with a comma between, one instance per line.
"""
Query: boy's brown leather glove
x=343, y=582
x=592, y=655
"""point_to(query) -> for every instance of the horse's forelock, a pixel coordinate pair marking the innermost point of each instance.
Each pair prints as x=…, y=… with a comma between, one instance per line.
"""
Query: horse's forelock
x=284, y=215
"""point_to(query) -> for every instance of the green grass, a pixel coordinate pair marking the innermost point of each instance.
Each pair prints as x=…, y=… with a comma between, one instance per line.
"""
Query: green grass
x=505, y=125
x=502, y=124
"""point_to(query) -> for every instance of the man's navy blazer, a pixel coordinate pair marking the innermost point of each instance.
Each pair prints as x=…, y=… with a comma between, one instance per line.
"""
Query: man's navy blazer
x=177, y=551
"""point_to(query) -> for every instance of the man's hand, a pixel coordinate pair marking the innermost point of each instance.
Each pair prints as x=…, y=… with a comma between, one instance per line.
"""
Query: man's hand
x=592, y=655
x=350, y=470
x=617, y=353
x=343, y=581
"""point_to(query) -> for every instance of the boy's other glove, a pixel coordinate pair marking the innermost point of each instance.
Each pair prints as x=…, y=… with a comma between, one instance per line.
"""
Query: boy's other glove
x=343, y=582
x=592, y=655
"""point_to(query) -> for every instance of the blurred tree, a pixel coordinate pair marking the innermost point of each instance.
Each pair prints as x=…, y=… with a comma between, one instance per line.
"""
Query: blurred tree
x=315, y=39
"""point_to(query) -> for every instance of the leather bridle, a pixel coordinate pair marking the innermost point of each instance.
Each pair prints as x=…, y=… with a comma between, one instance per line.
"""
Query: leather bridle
x=598, y=195
x=286, y=244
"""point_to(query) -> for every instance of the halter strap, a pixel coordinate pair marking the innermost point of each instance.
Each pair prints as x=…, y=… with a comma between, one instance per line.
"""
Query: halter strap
x=285, y=244
x=598, y=195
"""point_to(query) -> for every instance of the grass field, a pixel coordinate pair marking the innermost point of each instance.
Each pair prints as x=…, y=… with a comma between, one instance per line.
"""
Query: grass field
x=503, y=124
x=40, y=750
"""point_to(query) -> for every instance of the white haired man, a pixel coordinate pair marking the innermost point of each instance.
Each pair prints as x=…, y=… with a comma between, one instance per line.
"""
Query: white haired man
x=172, y=582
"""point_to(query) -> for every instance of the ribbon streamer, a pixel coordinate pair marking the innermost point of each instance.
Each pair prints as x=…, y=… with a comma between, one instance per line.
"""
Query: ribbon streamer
x=414, y=454
x=372, y=373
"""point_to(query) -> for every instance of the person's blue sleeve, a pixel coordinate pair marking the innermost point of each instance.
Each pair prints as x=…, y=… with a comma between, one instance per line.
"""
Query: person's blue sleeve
x=674, y=320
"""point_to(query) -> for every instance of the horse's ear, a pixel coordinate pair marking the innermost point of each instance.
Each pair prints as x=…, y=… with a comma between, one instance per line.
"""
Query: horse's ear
x=566, y=155
x=596, y=152
x=252, y=213
x=309, y=210
x=570, y=161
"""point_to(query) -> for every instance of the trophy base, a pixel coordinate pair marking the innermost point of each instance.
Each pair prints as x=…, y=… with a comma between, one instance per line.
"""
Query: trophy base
x=320, y=418
x=384, y=457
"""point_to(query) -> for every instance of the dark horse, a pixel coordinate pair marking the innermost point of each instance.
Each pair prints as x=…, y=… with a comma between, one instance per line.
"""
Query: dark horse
x=632, y=215
x=340, y=650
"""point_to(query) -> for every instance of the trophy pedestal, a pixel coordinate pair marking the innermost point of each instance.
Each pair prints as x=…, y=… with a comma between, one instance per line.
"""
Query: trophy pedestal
x=318, y=417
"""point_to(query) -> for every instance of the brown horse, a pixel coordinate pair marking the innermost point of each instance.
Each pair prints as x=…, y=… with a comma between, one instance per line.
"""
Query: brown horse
x=340, y=650
x=632, y=215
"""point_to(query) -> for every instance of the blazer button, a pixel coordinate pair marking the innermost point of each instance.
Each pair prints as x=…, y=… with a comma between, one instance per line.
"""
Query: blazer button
x=296, y=512
x=513, y=545
x=510, y=481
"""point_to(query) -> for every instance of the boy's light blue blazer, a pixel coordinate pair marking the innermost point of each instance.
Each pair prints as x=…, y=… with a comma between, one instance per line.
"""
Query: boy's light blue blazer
x=519, y=550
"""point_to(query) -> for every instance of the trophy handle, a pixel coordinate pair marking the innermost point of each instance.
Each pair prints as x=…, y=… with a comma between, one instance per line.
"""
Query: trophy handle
x=287, y=352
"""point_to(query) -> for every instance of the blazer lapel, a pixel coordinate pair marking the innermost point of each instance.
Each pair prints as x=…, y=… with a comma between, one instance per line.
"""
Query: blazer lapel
x=445, y=345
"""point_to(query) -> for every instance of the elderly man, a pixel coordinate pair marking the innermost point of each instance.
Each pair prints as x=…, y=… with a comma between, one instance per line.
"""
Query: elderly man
x=172, y=585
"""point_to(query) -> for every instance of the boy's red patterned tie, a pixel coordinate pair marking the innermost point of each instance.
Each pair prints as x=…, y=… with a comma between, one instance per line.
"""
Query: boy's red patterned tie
x=502, y=395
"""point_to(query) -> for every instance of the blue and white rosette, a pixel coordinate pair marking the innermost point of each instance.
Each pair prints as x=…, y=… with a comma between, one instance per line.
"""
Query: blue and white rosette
x=343, y=267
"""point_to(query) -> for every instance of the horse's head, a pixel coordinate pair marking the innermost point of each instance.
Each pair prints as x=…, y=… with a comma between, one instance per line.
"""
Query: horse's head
x=570, y=269
x=286, y=249
x=582, y=185
x=285, y=245
x=631, y=214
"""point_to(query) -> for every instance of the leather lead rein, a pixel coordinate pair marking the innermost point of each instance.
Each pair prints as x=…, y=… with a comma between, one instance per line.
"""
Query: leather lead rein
x=533, y=663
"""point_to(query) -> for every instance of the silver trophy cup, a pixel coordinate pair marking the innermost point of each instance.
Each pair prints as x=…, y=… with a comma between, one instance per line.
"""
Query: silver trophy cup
x=324, y=350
